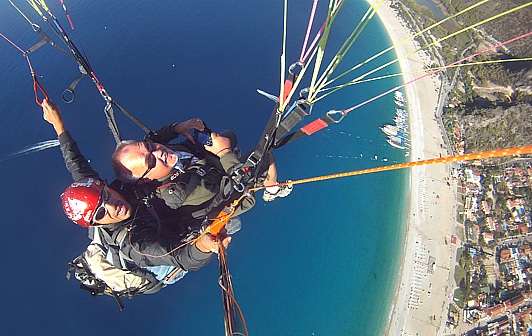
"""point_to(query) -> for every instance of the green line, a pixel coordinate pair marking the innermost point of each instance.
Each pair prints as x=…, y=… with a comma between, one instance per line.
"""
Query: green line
x=346, y=46
x=436, y=42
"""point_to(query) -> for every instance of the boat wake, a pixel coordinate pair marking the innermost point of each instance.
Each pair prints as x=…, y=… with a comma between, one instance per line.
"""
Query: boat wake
x=31, y=149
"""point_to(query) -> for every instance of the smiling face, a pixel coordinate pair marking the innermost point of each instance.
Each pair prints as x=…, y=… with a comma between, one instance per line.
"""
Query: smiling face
x=113, y=208
x=89, y=201
x=147, y=160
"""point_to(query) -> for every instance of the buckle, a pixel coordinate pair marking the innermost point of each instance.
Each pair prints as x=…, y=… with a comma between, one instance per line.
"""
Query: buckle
x=201, y=171
x=251, y=159
x=239, y=187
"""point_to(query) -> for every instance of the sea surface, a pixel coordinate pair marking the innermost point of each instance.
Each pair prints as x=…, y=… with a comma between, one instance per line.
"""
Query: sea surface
x=322, y=261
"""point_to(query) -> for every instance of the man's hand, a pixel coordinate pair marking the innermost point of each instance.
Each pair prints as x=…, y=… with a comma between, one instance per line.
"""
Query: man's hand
x=52, y=114
x=208, y=243
x=220, y=145
x=185, y=126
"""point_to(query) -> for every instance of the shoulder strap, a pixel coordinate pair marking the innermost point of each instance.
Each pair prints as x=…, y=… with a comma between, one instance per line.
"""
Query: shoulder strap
x=143, y=195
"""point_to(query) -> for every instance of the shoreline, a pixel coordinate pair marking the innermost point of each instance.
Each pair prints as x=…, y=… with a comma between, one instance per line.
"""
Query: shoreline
x=422, y=289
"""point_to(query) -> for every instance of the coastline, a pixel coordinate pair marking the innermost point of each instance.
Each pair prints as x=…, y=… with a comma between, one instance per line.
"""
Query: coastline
x=422, y=289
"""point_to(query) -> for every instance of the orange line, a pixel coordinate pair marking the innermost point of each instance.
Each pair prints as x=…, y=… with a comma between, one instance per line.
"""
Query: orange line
x=465, y=157
x=223, y=217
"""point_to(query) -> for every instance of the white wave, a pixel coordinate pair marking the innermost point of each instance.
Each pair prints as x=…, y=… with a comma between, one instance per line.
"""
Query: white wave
x=31, y=149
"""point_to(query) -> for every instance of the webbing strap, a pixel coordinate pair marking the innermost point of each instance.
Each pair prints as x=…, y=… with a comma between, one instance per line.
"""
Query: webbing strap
x=266, y=140
x=37, y=46
x=71, y=89
x=130, y=116
x=46, y=39
x=172, y=275
x=306, y=130
x=111, y=122
x=272, y=132
x=315, y=126
x=292, y=119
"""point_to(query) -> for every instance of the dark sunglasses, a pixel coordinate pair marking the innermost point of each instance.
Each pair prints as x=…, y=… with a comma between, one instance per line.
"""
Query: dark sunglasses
x=101, y=210
x=151, y=161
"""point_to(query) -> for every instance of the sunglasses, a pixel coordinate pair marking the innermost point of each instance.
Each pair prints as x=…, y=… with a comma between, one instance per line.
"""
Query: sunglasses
x=101, y=210
x=151, y=161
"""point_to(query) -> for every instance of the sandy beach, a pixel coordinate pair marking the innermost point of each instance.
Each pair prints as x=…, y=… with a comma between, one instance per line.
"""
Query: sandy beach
x=422, y=294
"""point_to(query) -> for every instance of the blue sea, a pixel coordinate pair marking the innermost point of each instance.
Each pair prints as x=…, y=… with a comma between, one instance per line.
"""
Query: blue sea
x=321, y=262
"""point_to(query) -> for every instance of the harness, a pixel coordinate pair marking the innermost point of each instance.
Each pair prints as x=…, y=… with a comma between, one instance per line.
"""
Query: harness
x=104, y=269
x=274, y=135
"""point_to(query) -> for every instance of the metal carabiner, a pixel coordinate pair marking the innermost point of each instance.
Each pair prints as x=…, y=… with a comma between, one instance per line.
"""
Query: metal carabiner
x=333, y=112
x=104, y=94
x=239, y=187
x=304, y=92
x=293, y=66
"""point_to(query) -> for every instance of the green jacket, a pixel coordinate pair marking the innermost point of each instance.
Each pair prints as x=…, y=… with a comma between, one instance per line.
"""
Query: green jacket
x=205, y=187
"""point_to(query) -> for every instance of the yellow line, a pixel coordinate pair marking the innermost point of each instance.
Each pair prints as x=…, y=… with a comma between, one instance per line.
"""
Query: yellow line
x=433, y=43
x=353, y=82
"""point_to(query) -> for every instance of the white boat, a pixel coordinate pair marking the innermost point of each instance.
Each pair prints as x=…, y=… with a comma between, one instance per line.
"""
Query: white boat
x=402, y=125
x=399, y=120
x=393, y=130
x=398, y=103
x=397, y=142
x=401, y=112
x=398, y=95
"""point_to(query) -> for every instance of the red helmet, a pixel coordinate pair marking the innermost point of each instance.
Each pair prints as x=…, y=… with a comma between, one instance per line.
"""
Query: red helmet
x=81, y=199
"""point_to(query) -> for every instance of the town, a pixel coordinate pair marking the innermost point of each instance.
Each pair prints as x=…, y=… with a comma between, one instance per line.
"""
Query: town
x=494, y=263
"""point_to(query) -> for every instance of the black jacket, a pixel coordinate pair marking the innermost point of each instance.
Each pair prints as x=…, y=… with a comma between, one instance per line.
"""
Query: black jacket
x=144, y=245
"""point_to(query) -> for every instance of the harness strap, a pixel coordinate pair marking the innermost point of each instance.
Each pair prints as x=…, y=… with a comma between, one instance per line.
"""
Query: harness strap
x=130, y=116
x=277, y=125
x=154, y=215
x=107, y=289
x=145, y=199
x=221, y=197
x=113, y=243
x=308, y=129
x=266, y=140
x=120, y=237
x=111, y=122
x=117, y=298
x=292, y=119
x=172, y=275
x=109, y=113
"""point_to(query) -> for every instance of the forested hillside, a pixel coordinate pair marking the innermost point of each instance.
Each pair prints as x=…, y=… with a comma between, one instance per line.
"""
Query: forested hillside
x=490, y=103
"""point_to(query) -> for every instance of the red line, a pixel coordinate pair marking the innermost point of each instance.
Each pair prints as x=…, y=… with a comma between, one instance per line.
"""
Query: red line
x=12, y=43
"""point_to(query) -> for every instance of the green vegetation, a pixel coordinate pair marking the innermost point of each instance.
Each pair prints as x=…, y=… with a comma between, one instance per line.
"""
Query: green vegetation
x=460, y=297
x=461, y=277
x=460, y=233
x=452, y=309
x=492, y=102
